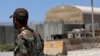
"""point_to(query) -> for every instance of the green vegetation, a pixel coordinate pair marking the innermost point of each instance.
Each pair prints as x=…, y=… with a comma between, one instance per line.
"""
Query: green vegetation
x=6, y=47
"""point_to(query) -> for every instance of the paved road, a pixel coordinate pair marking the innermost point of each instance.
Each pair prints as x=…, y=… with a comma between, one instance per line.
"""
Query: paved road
x=6, y=53
x=84, y=52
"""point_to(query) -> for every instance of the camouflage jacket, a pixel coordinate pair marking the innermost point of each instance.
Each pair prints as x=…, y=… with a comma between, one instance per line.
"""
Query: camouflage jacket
x=28, y=43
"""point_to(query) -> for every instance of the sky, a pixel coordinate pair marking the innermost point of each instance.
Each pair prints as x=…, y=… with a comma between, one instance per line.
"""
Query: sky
x=37, y=8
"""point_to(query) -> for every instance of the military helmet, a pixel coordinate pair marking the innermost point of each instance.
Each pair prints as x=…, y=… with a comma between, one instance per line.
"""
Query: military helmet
x=20, y=13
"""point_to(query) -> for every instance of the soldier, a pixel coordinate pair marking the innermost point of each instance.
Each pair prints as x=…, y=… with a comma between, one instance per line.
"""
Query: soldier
x=27, y=42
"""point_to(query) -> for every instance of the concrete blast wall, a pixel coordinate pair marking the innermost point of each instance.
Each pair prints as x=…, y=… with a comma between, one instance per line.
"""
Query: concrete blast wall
x=7, y=34
x=38, y=28
x=52, y=28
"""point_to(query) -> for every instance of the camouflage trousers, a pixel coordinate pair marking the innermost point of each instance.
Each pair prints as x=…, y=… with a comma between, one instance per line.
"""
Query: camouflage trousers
x=24, y=54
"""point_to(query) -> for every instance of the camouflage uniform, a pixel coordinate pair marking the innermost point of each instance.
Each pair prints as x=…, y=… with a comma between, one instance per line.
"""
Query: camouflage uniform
x=28, y=43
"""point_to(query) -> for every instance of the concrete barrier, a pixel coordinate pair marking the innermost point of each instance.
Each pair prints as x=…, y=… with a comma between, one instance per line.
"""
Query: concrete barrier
x=54, y=47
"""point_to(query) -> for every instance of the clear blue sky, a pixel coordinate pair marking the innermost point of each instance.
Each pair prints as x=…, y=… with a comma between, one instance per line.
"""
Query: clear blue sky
x=36, y=8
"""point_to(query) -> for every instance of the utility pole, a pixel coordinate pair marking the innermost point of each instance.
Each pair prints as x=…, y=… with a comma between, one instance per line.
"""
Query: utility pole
x=62, y=3
x=92, y=17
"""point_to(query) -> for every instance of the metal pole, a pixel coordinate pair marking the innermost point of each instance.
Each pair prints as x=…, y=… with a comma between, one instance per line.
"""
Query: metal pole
x=62, y=3
x=92, y=17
